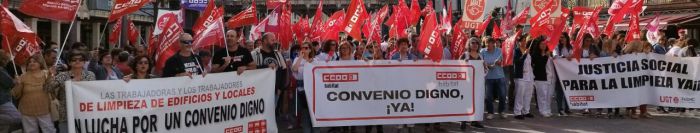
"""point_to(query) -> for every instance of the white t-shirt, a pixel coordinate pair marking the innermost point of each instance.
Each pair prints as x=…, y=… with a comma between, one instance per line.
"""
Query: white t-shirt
x=674, y=51
x=299, y=75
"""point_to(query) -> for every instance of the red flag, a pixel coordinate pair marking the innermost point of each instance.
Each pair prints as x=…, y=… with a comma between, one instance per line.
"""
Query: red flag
x=521, y=18
x=285, y=34
x=212, y=34
x=317, y=23
x=257, y=30
x=123, y=7
x=19, y=40
x=244, y=18
x=482, y=27
x=168, y=42
x=428, y=7
x=116, y=32
x=59, y=10
x=133, y=33
x=415, y=10
x=459, y=41
x=497, y=33
x=617, y=13
x=579, y=37
x=430, y=42
x=579, y=18
x=301, y=29
x=152, y=44
x=332, y=27
x=508, y=47
x=272, y=4
x=559, y=25
x=506, y=22
x=354, y=19
x=205, y=19
x=373, y=30
x=541, y=21
x=634, y=32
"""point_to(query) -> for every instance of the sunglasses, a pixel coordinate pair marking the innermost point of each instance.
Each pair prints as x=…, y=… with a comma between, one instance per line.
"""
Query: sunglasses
x=304, y=48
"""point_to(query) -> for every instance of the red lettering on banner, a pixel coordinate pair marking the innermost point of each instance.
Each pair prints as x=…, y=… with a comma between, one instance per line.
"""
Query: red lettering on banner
x=451, y=75
x=340, y=77
x=131, y=3
x=581, y=98
x=237, y=129
x=121, y=105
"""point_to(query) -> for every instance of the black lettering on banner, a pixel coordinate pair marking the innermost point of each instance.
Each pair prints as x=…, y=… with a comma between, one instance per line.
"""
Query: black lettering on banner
x=146, y=123
x=99, y=125
x=252, y=108
x=204, y=116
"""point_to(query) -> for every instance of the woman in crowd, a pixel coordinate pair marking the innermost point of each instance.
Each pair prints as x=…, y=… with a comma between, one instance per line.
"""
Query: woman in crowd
x=609, y=50
x=495, y=79
x=524, y=78
x=360, y=52
x=684, y=48
x=141, y=66
x=543, y=70
x=472, y=53
x=104, y=69
x=562, y=50
x=403, y=53
x=636, y=47
x=75, y=72
x=328, y=51
x=306, y=56
x=345, y=54
x=34, y=100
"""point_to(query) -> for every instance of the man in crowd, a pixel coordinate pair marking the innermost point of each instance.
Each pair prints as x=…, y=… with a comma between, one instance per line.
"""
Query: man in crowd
x=267, y=57
x=233, y=58
x=183, y=63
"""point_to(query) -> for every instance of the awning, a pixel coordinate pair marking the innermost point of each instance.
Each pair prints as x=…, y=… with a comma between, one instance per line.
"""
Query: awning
x=667, y=19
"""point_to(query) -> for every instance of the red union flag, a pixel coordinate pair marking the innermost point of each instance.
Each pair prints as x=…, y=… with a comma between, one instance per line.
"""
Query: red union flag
x=123, y=7
x=480, y=30
x=459, y=39
x=59, y=10
x=354, y=19
x=415, y=11
x=115, y=32
x=211, y=35
x=133, y=33
x=430, y=43
x=579, y=37
x=521, y=18
x=168, y=42
x=372, y=30
x=474, y=11
x=331, y=28
x=617, y=13
x=559, y=25
x=205, y=19
x=20, y=41
x=247, y=17
x=272, y=4
x=508, y=47
x=541, y=21
x=634, y=32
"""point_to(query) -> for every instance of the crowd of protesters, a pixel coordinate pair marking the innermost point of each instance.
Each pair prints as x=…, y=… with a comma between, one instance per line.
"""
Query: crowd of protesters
x=28, y=92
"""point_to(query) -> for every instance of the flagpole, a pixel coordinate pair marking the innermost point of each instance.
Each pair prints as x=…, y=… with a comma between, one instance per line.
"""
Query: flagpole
x=12, y=56
x=225, y=40
x=63, y=45
x=99, y=38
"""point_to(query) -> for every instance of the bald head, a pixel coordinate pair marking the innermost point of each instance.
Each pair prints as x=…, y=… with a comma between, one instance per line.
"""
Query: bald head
x=232, y=38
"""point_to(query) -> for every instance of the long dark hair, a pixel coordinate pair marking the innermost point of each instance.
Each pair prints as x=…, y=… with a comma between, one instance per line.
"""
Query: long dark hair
x=567, y=43
x=137, y=60
x=327, y=46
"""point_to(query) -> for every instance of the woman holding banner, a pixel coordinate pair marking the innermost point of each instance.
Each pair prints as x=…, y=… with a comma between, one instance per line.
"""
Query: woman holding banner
x=345, y=54
x=103, y=67
x=306, y=56
x=141, y=66
x=562, y=50
x=609, y=50
x=472, y=53
x=34, y=101
x=328, y=51
x=57, y=85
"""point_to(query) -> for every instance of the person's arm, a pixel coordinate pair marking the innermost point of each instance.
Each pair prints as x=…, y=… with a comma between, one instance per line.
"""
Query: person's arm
x=17, y=90
x=217, y=67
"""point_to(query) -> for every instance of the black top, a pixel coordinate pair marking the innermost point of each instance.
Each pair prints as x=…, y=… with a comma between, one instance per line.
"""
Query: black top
x=240, y=57
x=179, y=64
x=519, y=63
x=539, y=66
x=270, y=58
x=6, y=84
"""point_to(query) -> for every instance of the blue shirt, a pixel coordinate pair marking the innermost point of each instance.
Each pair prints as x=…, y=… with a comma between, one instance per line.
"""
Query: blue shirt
x=660, y=49
x=490, y=58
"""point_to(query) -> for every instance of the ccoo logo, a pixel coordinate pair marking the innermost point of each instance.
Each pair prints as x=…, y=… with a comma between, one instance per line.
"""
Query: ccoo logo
x=540, y=4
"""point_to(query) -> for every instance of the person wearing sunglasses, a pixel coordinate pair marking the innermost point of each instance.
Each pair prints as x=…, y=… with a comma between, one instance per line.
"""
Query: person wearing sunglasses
x=183, y=63
x=57, y=85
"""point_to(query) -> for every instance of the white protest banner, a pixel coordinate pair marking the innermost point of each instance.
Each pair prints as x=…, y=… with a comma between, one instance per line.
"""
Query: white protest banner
x=222, y=103
x=349, y=93
x=631, y=80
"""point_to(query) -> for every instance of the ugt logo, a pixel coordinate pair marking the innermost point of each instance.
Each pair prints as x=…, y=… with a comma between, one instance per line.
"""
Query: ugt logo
x=475, y=8
x=540, y=4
